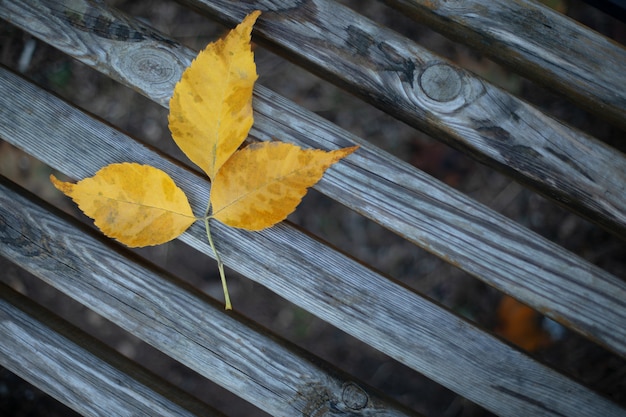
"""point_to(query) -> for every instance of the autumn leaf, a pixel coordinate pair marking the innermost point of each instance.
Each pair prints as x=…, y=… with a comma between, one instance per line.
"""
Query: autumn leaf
x=519, y=324
x=210, y=117
x=263, y=183
x=211, y=108
x=138, y=205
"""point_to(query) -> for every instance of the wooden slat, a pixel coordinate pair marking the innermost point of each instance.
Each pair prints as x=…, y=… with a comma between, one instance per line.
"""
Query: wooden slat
x=173, y=318
x=78, y=370
x=394, y=194
x=432, y=94
x=341, y=291
x=538, y=42
x=390, y=71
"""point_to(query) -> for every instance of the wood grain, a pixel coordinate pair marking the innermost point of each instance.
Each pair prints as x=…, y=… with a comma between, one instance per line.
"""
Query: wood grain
x=428, y=92
x=172, y=317
x=407, y=81
x=412, y=204
x=387, y=316
x=538, y=42
x=80, y=371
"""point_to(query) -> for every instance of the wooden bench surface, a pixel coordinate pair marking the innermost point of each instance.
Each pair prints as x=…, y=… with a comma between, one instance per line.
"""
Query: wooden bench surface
x=539, y=43
x=451, y=104
x=404, y=80
x=84, y=365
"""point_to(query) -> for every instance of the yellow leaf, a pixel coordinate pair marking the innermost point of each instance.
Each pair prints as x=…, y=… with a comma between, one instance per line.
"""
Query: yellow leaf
x=520, y=325
x=211, y=108
x=138, y=205
x=263, y=183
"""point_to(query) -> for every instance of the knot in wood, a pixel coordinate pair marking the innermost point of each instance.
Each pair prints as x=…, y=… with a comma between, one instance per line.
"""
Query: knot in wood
x=152, y=69
x=441, y=82
x=354, y=397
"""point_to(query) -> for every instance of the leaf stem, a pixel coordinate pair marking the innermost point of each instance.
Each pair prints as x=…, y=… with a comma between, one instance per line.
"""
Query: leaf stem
x=220, y=264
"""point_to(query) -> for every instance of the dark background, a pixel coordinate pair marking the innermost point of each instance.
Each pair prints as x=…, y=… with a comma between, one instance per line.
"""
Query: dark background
x=348, y=231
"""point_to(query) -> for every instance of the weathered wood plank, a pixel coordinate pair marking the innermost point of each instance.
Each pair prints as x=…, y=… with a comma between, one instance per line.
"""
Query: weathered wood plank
x=80, y=371
x=405, y=80
x=428, y=213
x=174, y=318
x=429, y=93
x=343, y=292
x=461, y=231
x=539, y=43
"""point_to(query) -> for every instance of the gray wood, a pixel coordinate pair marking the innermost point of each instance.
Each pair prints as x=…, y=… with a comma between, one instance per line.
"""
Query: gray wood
x=78, y=370
x=404, y=200
x=539, y=43
x=173, y=318
x=387, y=316
x=395, y=74
x=452, y=105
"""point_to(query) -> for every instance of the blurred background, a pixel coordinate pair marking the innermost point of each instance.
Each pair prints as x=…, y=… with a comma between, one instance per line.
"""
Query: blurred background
x=343, y=228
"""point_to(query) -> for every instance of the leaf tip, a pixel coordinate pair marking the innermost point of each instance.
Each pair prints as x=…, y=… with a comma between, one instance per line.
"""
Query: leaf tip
x=351, y=149
x=65, y=187
x=339, y=154
x=251, y=18
x=244, y=29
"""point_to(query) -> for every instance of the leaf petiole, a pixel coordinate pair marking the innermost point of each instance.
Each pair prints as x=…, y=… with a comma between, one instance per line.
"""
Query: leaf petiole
x=220, y=264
